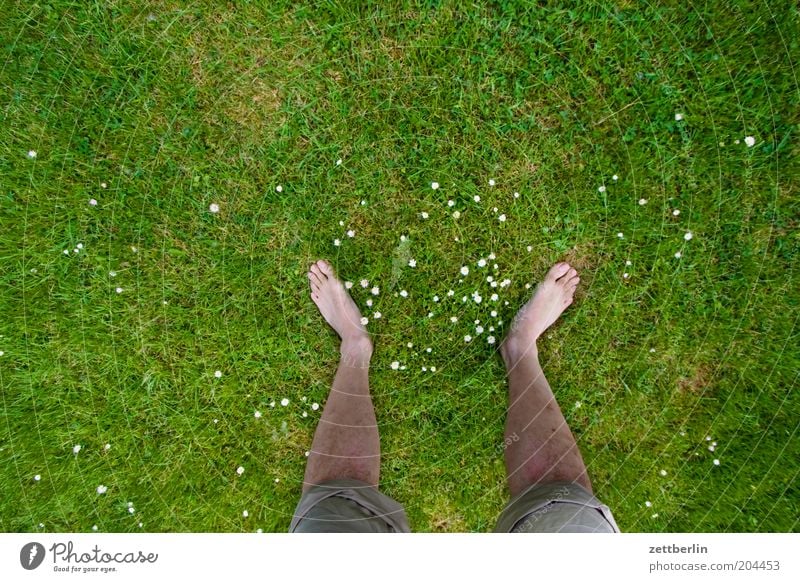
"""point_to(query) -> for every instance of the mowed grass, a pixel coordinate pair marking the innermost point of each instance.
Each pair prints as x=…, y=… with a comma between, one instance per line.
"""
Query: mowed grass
x=175, y=106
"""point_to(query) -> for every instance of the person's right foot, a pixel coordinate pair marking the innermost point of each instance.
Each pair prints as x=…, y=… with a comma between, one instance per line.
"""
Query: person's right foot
x=337, y=307
x=551, y=298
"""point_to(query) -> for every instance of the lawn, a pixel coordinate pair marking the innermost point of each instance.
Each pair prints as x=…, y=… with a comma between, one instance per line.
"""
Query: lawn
x=148, y=344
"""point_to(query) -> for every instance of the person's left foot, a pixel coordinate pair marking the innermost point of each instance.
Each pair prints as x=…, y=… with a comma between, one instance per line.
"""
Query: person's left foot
x=336, y=305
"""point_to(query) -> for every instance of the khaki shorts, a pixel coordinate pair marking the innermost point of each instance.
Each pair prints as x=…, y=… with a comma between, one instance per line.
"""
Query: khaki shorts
x=353, y=506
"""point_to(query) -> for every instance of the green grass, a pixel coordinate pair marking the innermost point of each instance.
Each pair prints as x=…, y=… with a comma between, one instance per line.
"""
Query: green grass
x=175, y=106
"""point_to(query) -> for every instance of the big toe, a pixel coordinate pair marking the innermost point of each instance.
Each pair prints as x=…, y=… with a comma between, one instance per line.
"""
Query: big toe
x=325, y=267
x=557, y=270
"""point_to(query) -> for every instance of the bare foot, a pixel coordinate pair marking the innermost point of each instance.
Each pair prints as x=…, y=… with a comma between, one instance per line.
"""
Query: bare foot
x=337, y=307
x=551, y=298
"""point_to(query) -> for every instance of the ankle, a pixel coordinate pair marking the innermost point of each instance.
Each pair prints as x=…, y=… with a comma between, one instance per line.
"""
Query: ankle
x=514, y=349
x=356, y=349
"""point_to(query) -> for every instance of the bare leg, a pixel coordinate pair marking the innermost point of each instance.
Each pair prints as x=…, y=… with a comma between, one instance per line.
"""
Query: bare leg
x=540, y=446
x=346, y=443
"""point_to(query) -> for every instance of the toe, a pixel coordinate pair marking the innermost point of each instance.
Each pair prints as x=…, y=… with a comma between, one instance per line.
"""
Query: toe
x=572, y=283
x=569, y=274
x=318, y=272
x=314, y=280
x=325, y=267
x=557, y=271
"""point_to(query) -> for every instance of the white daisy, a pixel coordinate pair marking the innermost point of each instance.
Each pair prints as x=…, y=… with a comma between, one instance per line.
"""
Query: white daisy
x=37, y=477
x=456, y=214
x=476, y=198
x=490, y=339
x=620, y=235
x=454, y=319
x=377, y=315
x=493, y=313
x=678, y=255
x=375, y=290
x=118, y=289
x=491, y=182
x=424, y=215
x=492, y=256
x=369, y=302
x=429, y=350
x=430, y=314
x=465, y=270
x=76, y=449
x=663, y=473
x=467, y=338
x=516, y=194
x=476, y=297
x=395, y=365
x=529, y=248
x=314, y=406
x=240, y=470
x=92, y=202
x=257, y=414
x=615, y=177
x=451, y=203
x=214, y=208
x=107, y=446
x=676, y=212
x=750, y=141
x=642, y=201
x=648, y=504
x=479, y=330
x=101, y=489
x=348, y=284
x=103, y=185
x=688, y=236
x=364, y=283
x=412, y=263
x=351, y=233
x=628, y=263
x=245, y=513
x=218, y=374
x=601, y=189
x=502, y=218
x=495, y=297
x=450, y=293
x=285, y=402
x=403, y=293
x=433, y=368
x=716, y=462
x=481, y=262
x=625, y=275
x=278, y=188
x=339, y=162
x=678, y=117
x=32, y=154
x=336, y=242
x=435, y=185
x=436, y=299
